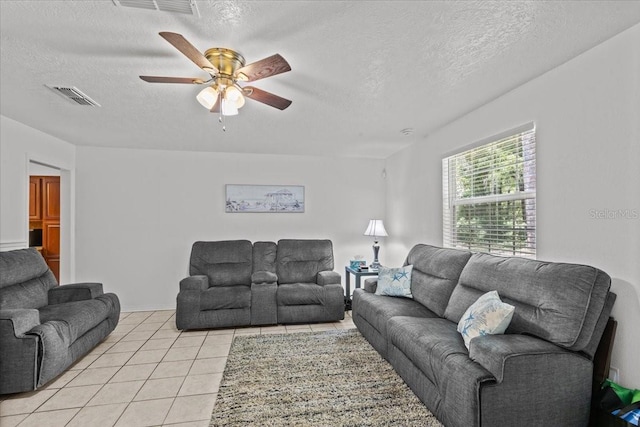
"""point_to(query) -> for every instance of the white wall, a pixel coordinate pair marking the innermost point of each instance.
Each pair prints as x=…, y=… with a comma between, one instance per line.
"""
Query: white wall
x=587, y=113
x=18, y=145
x=139, y=212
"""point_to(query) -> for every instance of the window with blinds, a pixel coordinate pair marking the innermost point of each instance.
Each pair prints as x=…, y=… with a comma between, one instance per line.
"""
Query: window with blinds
x=489, y=195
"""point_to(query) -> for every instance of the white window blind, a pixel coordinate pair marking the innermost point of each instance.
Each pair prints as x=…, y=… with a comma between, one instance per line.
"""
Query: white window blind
x=489, y=196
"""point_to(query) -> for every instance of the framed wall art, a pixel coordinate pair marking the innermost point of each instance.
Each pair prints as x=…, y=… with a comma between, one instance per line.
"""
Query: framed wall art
x=264, y=198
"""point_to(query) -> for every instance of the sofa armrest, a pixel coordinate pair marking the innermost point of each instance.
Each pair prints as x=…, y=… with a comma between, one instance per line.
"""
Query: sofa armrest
x=74, y=292
x=499, y=353
x=370, y=285
x=18, y=351
x=329, y=278
x=194, y=283
x=264, y=277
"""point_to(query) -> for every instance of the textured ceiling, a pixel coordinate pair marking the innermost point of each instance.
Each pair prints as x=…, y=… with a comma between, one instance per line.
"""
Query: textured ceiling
x=362, y=71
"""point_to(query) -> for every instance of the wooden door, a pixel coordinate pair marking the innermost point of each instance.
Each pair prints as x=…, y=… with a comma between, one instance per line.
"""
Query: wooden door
x=51, y=198
x=35, y=198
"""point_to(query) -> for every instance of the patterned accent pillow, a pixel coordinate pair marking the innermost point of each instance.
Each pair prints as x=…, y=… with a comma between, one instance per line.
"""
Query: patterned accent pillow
x=395, y=282
x=487, y=316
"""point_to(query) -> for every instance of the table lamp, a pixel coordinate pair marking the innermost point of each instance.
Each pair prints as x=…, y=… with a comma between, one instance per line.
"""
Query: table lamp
x=375, y=229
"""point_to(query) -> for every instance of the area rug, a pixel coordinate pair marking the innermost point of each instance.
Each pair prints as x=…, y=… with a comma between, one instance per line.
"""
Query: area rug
x=332, y=378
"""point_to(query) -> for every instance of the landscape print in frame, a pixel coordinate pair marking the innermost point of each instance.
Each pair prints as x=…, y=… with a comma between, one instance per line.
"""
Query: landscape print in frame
x=264, y=198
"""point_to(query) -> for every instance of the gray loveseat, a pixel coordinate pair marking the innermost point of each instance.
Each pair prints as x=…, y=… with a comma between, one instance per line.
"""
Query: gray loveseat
x=237, y=283
x=44, y=327
x=538, y=373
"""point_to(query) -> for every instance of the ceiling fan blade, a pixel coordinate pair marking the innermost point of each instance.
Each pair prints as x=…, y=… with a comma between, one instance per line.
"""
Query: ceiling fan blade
x=189, y=51
x=186, y=80
x=266, y=97
x=266, y=67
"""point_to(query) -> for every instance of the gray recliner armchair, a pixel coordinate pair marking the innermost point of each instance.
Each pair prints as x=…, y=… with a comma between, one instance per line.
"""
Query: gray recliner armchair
x=44, y=327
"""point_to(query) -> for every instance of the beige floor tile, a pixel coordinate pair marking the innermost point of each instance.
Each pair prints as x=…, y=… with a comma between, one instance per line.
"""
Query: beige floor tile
x=135, y=318
x=93, y=376
x=12, y=420
x=281, y=329
x=145, y=413
x=116, y=393
x=160, y=388
x=209, y=351
x=202, y=423
x=298, y=328
x=124, y=328
x=200, y=384
x=112, y=359
x=247, y=331
x=98, y=416
x=169, y=325
x=323, y=327
x=181, y=353
x=133, y=372
x=194, y=333
x=102, y=347
x=191, y=408
x=143, y=357
x=208, y=366
x=158, y=344
x=50, y=418
x=217, y=340
x=24, y=403
x=63, y=379
x=138, y=336
x=124, y=346
x=189, y=341
x=220, y=332
x=148, y=327
x=71, y=397
x=113, y=338
x=85, y=361
x=165, y=333
x=179, y=368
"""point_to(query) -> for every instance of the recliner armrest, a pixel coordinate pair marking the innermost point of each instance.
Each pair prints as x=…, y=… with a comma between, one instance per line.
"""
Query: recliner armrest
x=194, y=283
x=74, y=292
x=328, y=278
x=496, y=352
x=264, y=277
x=370, y=285
x=23, y=319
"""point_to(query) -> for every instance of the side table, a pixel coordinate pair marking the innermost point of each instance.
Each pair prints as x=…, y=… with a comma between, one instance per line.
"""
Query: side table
x=348, y=271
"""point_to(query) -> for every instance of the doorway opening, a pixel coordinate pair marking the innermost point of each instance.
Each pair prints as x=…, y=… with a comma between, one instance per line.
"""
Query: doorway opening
x=44, y=213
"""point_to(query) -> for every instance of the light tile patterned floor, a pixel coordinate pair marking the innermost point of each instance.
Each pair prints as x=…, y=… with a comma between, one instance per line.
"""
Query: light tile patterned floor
x=146, y=373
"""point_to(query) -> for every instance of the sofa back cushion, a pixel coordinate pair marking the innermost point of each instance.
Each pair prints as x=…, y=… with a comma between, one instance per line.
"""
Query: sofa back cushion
x=299, y=261
x=25, y=279
x=225, y=263
x=435, y=274
x=557, y=302
x=264, y=256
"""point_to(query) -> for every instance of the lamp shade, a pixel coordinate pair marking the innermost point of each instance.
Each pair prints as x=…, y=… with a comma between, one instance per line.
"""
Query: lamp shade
x=207, y=97
x=376, y=229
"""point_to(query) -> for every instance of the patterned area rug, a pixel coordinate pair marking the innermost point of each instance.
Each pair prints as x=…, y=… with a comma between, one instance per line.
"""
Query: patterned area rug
x=332, y=378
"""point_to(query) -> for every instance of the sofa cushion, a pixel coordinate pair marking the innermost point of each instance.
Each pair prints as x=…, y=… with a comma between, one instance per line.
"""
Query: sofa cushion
x=74, y=319
x=264, y=256
x=487, y=316
x=378, y=309
x=25, y=280
x=435, y=274
x=225, y=297
x=395, y=282
x=301, y=294
x=225, y=263
x=299, y=261
x=557, y=302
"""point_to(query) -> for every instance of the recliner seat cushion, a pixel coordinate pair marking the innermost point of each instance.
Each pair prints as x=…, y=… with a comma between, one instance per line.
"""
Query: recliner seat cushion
x=301, y=294
x=557, y=302
x=74, y=319
x=225, y=297
x=299, y=261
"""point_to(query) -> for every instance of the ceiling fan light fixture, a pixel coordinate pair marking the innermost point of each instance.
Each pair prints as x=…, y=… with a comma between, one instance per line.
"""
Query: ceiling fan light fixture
x=229, y=108
x=233, y=95
x=207, y=97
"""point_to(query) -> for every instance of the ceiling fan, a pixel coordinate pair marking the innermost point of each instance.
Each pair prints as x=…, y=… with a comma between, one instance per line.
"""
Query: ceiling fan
x=226, y=68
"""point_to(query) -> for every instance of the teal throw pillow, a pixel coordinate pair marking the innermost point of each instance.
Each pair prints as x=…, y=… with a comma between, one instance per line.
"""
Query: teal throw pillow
x=395, y=282
x=487, y=316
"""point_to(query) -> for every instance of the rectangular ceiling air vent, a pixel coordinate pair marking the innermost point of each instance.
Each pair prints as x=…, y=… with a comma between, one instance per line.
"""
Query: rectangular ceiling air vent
x=74, y=94
x=176, y=6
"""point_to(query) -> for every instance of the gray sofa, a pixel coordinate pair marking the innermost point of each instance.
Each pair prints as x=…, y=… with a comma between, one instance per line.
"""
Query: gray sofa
x=538, y=373
x=237, y=283
x=44, y=327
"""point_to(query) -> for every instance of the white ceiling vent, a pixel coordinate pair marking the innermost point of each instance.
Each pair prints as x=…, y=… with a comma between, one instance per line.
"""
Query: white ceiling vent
x=74, y=94
x=176, y=6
